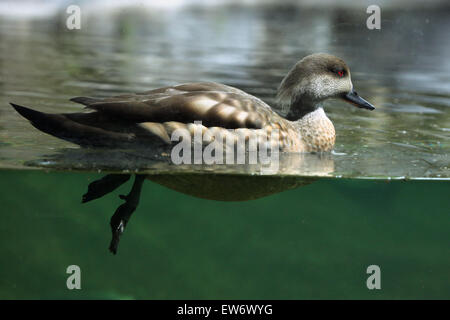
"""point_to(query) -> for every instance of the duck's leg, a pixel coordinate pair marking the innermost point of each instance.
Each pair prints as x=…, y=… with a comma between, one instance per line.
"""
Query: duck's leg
x=123, y=213
x=105, y=185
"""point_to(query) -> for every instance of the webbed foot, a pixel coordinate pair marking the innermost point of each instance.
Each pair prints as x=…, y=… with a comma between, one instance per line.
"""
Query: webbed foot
x=123, y=213
x=105, y=185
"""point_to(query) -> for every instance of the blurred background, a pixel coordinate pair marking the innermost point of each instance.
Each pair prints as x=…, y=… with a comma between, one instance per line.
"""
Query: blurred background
x=312, y=242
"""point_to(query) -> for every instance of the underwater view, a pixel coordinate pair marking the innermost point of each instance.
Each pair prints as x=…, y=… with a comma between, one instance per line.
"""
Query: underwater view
x=310, y=227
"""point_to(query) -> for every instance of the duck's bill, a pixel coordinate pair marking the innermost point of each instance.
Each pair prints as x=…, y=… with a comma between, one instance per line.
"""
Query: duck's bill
x=353, y=98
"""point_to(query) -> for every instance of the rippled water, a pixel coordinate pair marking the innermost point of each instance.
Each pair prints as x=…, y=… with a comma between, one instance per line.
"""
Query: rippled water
x=402, y=69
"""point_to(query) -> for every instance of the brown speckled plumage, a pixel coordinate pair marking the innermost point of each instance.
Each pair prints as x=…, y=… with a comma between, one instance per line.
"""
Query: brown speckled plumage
x=149, y=118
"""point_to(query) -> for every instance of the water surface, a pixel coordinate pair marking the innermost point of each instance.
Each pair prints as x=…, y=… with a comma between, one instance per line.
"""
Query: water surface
x=402, y=69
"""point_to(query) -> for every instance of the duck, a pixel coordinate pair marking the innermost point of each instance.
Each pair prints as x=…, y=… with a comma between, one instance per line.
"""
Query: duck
x=148, y=120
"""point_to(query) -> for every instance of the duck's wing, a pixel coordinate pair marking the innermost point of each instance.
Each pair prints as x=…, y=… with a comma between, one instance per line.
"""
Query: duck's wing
x=211, y=103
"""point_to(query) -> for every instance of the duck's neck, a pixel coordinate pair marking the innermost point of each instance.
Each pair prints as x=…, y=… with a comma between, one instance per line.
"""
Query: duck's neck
x=295, y=103
x=316, y=131
x=300, y=108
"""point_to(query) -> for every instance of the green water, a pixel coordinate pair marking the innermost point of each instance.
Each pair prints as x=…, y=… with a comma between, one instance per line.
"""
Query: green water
x=312, y=242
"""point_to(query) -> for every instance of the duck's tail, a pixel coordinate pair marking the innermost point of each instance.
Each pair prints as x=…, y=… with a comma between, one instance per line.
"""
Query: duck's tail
x=78, y=128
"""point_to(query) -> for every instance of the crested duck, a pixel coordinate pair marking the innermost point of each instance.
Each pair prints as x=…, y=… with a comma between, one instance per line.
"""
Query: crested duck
x=149, y=118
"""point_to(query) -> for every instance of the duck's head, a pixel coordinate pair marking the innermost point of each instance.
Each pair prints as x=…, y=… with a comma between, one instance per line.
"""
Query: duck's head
x=313, y=79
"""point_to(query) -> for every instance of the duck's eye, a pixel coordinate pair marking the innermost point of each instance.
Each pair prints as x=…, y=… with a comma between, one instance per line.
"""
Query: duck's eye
x=340, y=73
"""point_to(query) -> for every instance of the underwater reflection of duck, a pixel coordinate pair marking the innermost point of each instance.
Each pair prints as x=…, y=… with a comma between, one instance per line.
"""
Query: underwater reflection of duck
x=148, y=120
